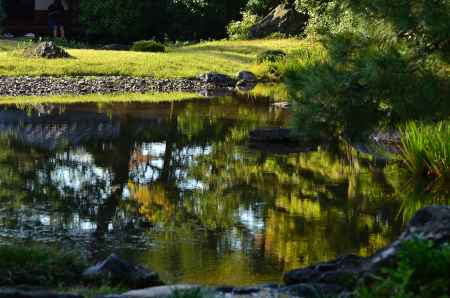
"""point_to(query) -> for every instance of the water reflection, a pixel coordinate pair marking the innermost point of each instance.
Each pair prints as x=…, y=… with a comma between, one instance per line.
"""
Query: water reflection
x=176, y=187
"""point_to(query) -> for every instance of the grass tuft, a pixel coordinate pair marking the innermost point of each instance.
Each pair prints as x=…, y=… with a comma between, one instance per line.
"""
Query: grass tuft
x=426, y=148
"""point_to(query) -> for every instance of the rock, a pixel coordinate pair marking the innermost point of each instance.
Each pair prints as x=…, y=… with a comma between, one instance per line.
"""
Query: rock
x=116, y=47
x=245, y=85
x=115, y=271
x=46, y=50
x=284, y=19
x=40, y=86
x=270, y=135
x=282, y=105
x=247, y=76
x=342, y=271
x=431, y=223
x=217, y=79
x=313, y=290
x=18, y=293
x=159, y=292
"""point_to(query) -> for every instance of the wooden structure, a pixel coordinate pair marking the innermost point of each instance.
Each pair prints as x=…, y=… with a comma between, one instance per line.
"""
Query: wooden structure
x=31, y=16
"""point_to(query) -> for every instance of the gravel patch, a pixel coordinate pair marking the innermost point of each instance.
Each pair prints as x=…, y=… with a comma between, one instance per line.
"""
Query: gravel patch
x=40, y=86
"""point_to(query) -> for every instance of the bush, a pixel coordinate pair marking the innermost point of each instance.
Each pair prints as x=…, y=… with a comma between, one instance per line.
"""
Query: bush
x=148, y=46
x=241, y=29
x=39, y=266
x=422, y=270
x=270, y=56
x=426, y=148
x=386, y=63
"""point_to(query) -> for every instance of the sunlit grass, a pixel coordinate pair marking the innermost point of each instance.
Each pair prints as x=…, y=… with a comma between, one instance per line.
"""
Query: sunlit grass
x=426, y=148
x=224, y=56
x=153, y=97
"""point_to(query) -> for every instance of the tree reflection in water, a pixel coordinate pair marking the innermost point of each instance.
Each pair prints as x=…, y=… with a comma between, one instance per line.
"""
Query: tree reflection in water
x=177, y=187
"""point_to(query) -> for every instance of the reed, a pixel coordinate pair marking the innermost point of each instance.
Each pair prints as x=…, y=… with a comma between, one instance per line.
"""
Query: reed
x=425, y=148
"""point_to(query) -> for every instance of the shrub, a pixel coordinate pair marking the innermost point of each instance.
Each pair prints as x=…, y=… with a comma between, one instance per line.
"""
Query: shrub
x=426, y=148
x=148, y=46
x=387, y=63
x=270, y=56
x=241, y=29
x=422, y=270
x=39, y=266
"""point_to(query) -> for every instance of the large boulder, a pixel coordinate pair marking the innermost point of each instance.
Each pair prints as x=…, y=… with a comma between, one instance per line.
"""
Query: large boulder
x=284, y=19
x=47, y=50
x=431, y=223
x=217, y=79
x=115, y=271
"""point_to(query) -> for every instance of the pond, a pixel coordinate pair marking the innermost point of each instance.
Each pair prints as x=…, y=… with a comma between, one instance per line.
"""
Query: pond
x=178, y=188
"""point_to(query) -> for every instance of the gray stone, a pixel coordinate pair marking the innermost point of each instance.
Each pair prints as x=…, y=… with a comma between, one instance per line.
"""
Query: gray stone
x=284, y=19
x=115, y=271
x=217, y=79
x=46, y=50
x=159, y=292
x=282, y=105
x=19, y=293
x=312, y=290
x=43, y=86
x=270, y=135
x=245, y=85
x=247, y=76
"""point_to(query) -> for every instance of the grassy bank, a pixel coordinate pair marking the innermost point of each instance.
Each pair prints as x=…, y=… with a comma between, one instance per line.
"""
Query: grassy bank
x=223, y=56
x=99, y=98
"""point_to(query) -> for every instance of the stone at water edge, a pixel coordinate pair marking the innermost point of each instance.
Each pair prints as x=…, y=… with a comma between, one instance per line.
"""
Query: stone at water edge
x=217, y=79
x=246, y=76
x=118, y=272
x=431, y=223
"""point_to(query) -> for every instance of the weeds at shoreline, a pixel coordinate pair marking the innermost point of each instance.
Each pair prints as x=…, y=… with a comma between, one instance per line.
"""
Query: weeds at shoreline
x=425, y=148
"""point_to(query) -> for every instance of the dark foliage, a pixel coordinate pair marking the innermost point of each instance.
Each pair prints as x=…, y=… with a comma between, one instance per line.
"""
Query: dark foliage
x=270, y=56
x=148, y=46
x=130, y=20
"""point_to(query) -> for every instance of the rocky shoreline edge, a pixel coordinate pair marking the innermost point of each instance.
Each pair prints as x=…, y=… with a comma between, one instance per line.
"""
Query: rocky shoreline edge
x=83, y=85
x=336, y=278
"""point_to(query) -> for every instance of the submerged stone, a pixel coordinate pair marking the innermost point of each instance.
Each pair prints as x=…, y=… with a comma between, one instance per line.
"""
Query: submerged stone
x=115, y=271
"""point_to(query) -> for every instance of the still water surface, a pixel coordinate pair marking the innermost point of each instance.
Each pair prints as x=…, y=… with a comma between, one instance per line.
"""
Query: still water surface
x=178, y=188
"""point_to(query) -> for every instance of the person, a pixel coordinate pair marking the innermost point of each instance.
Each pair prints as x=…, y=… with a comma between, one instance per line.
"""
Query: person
x=56, y=13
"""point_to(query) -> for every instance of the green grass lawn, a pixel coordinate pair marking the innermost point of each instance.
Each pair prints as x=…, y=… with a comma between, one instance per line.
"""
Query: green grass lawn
x=223, y=56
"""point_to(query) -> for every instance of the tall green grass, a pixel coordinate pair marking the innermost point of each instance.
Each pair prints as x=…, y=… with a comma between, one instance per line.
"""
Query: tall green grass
x=426, y=148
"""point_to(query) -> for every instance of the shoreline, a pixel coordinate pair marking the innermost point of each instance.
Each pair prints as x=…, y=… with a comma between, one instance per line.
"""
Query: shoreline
x=78, y=86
